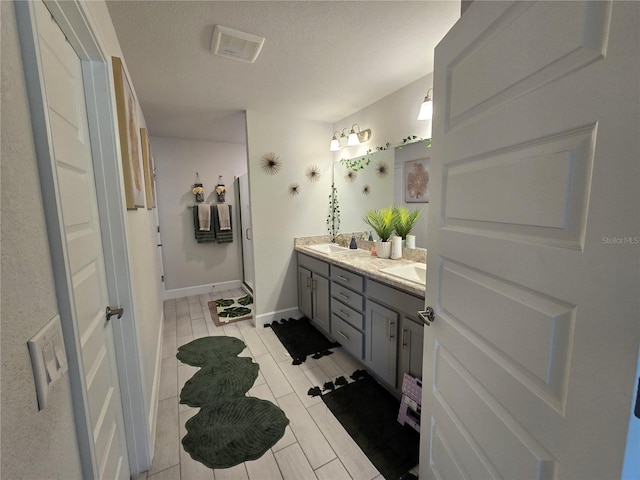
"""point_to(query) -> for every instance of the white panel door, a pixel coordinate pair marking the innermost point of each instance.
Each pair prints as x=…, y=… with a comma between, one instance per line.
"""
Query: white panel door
x=533, y=265
x=62, y=76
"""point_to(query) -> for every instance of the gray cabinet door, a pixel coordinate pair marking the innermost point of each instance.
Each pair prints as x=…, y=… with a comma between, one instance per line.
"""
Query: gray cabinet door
x=304, y=292
x=381, y=341
x=321, y=304
x=411, y=338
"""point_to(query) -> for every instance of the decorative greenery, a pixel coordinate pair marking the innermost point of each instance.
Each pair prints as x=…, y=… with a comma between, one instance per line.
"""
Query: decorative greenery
x=355, y=164
x=414, y=139
x=405, y=219
x=383, y=221
x=333, y=219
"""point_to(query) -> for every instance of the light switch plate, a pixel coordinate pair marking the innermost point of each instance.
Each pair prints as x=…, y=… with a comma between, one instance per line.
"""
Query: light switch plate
x=48, y=357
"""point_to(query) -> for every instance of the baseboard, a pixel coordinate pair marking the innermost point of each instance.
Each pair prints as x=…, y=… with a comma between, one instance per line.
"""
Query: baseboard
x=155, y=390
x=265, y=318
x=202, y=289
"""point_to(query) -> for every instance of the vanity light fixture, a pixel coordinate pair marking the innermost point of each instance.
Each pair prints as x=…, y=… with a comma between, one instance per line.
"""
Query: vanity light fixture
x=335, y=143
x=355, y=138
x=426, y=109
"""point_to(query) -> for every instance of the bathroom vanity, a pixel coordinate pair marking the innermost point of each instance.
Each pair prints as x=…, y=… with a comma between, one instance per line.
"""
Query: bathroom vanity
x=372, y=314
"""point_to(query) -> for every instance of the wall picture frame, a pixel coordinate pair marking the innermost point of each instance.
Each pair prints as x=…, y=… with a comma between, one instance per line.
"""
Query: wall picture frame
x=127, y=107
x=416, y=181
x=147, y=164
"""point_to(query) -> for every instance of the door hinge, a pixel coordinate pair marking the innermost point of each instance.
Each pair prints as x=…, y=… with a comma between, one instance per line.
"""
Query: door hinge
x=162, y=278
x=158, y=228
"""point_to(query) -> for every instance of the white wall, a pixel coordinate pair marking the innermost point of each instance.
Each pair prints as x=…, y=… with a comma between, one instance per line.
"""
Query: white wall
x=187, y=263
x=277, y=216
x=35, y=444
x=43, y=444
x=390, y=119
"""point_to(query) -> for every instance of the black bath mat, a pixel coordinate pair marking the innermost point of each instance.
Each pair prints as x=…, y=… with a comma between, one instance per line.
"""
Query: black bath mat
x=369, y=413
x=301, y=339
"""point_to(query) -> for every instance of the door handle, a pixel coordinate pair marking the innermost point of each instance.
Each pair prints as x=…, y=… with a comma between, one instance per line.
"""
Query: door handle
x=391, y=323
x=404, y=343
x=110, y=312
x=427, y=316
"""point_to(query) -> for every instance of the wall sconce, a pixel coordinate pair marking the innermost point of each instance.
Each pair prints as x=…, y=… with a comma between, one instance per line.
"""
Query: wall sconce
x=335, y=143
x=426, y=109
x=355, y=138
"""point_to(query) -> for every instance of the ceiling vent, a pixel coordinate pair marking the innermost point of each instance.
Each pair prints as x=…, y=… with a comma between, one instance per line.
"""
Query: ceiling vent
x=235, y=44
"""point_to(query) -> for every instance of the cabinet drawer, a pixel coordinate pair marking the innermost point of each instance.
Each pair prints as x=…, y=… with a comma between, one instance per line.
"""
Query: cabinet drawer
x=348, y=314
x=394, y=298
x=346, y=296
x=345, y=277
x=350, y=338
x=313, y=264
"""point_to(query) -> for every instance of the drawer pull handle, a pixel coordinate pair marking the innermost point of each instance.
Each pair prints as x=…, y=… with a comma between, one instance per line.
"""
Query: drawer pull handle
x=404, y=343
x=342, y=334
x=346, y=297
x=390, y=325
x=344, y=279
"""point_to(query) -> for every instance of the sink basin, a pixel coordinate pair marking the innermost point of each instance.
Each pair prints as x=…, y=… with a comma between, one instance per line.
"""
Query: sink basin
x=415, y=272
x=328, y=248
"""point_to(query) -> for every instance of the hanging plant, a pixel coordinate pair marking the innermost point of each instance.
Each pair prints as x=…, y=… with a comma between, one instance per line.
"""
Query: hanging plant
x=313, y=173
x=294, y=189
x=355, y=164
x=271, y=163
x=333, y=219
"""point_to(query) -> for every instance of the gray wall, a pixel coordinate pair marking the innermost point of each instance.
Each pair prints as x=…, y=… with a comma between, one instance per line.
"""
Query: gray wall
x=34, y=444
x=188, y=263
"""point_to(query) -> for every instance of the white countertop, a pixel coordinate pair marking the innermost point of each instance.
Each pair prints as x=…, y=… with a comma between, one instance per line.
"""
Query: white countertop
x=361, y=261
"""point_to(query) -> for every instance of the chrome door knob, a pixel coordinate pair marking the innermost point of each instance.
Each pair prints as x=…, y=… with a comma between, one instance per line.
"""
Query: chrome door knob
x=110, y=312
x=427, y=315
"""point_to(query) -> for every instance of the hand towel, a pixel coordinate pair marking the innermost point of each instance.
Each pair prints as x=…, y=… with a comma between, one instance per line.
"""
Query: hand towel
x=222, y=236
x=223, y=217
x=203, y=236
x=204, y=217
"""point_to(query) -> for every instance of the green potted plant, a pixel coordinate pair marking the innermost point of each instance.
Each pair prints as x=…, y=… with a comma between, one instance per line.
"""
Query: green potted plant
x=405, y=220
x=383, y=222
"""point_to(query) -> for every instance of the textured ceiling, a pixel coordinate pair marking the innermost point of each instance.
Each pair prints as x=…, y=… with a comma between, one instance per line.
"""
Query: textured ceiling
x=320, y=61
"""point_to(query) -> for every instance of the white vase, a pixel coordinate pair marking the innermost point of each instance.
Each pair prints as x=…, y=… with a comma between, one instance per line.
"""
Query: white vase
x=396, y=248
x=383, y=249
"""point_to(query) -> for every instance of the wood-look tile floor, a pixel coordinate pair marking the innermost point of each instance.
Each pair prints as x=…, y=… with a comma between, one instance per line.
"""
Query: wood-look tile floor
x=314, y=446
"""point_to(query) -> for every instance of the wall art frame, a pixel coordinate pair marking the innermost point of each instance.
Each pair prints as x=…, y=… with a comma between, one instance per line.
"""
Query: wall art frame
x=127, y=107
x=147, y=164
x=416, y=180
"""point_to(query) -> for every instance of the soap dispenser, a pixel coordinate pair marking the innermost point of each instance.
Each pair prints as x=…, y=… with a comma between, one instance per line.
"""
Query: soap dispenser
x=353, y=245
